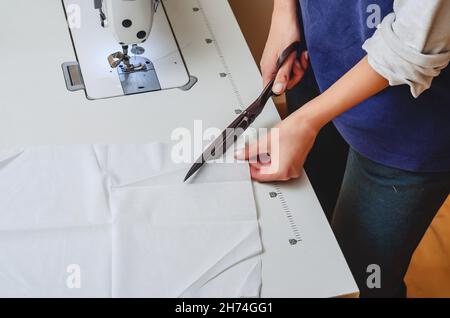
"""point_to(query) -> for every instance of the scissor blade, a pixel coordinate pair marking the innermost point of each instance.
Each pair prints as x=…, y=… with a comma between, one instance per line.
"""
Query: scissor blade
x=193, y=170
x=240, y=124
x=217, y=149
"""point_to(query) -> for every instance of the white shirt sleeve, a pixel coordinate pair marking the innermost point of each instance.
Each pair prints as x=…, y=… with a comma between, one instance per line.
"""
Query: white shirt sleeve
x=412, y=44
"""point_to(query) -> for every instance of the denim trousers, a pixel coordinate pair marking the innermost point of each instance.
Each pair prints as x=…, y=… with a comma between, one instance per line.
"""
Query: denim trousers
x=381, y=215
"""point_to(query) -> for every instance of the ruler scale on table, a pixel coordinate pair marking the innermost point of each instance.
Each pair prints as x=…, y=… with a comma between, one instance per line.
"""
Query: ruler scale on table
x=296, y=238
x=277, y=192
x=227, y=72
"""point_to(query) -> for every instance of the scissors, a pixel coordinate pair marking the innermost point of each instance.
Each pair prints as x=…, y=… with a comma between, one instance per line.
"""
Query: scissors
x=243, y=122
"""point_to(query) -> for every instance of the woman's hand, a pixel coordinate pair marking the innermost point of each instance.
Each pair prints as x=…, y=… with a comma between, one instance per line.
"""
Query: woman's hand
x=290, y=141
x=280, y=155
x=284, y=31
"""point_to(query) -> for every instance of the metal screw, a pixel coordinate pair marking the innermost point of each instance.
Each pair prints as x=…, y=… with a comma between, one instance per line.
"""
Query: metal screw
x=293, y=242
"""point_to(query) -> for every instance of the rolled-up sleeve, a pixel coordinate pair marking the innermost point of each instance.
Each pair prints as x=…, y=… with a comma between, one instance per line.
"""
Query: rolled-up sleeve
x=412, y=44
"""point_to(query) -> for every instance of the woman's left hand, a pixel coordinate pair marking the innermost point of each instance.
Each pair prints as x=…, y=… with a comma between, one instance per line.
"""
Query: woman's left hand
x=291, y=141
x=280, y=155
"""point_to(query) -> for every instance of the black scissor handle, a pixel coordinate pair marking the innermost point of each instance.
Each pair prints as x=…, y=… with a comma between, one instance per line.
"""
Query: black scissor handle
x=257, y=107
x=286, y=53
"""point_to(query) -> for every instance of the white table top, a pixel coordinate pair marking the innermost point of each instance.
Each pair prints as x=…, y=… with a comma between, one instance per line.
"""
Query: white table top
x=37, y=109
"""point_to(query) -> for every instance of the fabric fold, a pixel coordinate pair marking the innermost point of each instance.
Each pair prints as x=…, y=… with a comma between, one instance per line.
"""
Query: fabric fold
x=119, y=219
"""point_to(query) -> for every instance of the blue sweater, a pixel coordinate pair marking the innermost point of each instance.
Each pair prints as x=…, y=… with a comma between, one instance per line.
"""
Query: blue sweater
x=391, y=128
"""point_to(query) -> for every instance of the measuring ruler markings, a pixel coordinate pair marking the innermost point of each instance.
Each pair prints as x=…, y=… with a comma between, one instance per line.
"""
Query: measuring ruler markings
x=297, y=238
x=278, y=193
x=227, y=72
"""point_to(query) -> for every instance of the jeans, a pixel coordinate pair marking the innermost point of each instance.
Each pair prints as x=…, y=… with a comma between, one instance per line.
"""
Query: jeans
x=327, y=159
x=380, y=218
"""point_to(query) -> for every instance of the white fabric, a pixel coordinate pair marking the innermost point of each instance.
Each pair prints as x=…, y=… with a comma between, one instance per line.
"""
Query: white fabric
x=124, y=216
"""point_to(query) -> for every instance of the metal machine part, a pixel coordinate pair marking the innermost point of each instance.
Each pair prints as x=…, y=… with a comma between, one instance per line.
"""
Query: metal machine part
x=124, y=60
x=72, y=76
x=136, y=74
x=131, y=22
x=139, y=76
x=137, y=50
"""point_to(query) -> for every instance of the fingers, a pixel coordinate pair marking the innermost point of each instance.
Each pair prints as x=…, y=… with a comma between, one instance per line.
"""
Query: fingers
x=299, y=70
x=244, y=154
x=284, y=75
x=257, y=175
x=263, y=166
x=268, y=67
x=266, y=168
x=268, y=75
x=304, y=60
x=263, y=174
x=297, y=74
x=291, y=73
x=272, y=173
x=257, y=151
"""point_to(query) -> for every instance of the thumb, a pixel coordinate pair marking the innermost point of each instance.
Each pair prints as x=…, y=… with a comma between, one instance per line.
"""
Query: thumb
x=250, y=151
x=255, y=150
x=284, y=75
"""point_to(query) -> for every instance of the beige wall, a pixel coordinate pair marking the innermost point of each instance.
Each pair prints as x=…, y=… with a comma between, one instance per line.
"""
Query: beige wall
x=254, y=18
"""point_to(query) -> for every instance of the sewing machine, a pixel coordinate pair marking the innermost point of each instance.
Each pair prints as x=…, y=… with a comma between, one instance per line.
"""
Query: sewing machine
x=131, y=23
x=149, y=59
x=60, y=88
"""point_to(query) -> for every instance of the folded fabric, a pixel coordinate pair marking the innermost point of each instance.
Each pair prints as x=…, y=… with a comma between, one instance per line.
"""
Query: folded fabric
x=120, y=220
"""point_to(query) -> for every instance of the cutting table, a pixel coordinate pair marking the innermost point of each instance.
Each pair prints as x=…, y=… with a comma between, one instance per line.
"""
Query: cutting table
x=301, y=256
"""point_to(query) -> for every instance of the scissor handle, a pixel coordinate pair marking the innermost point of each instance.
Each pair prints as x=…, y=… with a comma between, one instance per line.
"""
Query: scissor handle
x=244, y=120
x=286, y=53
x=268, y=90
x=252, y=112
x=240, y=124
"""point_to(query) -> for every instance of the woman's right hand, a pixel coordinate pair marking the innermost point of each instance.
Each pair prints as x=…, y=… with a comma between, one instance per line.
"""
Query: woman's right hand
x=284, y=30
